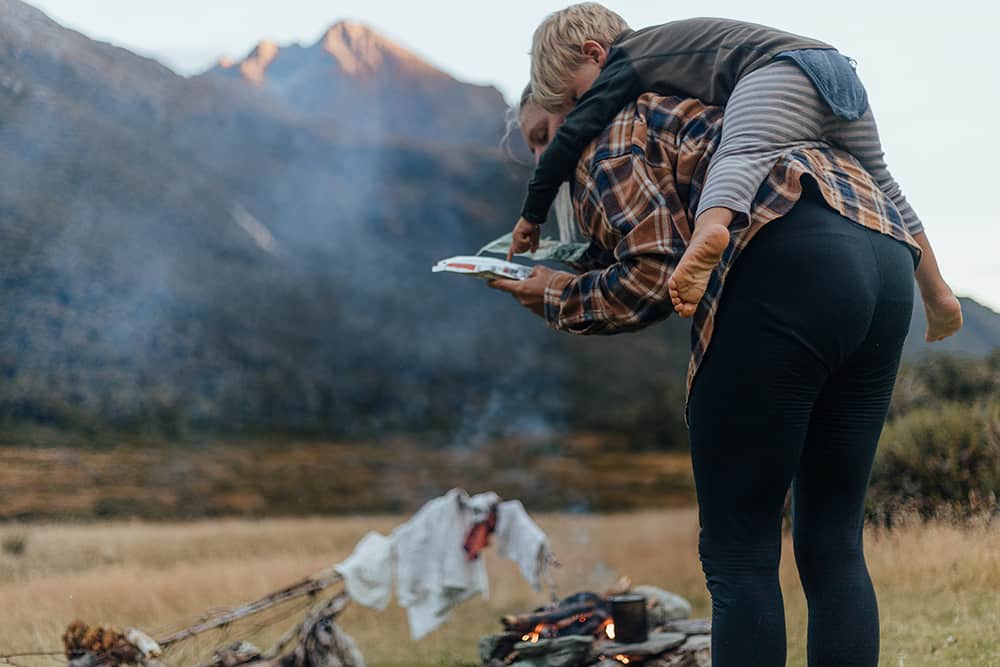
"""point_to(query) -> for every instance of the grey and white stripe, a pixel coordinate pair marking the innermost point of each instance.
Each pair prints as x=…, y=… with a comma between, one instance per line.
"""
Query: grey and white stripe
x=774, y=110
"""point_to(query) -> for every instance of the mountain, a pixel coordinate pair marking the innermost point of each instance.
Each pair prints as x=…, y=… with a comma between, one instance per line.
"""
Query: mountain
x=195, y=254
x=224, y=254
x=980, y=334
x=360, y=82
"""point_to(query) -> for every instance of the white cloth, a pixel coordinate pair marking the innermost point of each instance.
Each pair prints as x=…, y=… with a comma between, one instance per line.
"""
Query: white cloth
x=367, y=572
x=433, y=574
x=520, y=539
x=426, y=560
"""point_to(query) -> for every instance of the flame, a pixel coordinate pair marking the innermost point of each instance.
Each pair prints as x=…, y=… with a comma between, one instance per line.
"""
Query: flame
x=534, y=634
x=622, y=659
x=609, y=629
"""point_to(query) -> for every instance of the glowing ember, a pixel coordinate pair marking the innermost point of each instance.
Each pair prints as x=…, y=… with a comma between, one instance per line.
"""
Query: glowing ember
x=622, y=659
x=534, y=634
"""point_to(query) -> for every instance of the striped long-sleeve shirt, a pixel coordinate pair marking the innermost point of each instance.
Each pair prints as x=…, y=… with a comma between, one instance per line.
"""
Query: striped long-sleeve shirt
x=635, y=192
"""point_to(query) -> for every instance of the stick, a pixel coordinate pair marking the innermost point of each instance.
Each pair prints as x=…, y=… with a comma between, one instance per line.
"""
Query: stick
x=308, y=586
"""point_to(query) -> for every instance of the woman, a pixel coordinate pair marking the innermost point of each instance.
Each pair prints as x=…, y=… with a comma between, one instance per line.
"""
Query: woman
x=795, y=352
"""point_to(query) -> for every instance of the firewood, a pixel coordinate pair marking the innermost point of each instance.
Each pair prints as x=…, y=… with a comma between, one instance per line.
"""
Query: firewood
x=527, y=622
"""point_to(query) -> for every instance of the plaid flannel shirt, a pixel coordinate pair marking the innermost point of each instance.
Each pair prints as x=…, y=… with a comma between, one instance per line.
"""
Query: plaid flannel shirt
x=635, y=192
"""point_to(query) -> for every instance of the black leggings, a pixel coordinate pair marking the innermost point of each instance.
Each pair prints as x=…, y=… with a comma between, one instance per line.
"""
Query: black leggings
x=794, y=390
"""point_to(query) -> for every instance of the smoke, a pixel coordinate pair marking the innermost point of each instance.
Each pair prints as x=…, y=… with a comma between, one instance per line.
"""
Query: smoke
x=187, y=257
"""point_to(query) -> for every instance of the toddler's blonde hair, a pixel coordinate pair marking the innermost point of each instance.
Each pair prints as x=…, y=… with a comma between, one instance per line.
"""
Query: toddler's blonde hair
x=556, y=50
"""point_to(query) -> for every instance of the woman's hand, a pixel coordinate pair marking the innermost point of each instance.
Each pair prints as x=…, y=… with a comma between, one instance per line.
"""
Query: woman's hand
x=529, y=292
x=524, y=238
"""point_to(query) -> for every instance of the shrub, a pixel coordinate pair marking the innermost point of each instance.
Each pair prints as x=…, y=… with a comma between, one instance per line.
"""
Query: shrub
x=937, y=460
x=15, y=544
x=945, y=377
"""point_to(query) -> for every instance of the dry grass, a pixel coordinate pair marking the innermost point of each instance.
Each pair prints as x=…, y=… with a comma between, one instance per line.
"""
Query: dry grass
x=939, y=586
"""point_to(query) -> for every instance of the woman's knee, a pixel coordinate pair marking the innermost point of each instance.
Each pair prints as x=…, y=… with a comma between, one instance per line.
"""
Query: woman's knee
x=823, y=560
x=735, y=570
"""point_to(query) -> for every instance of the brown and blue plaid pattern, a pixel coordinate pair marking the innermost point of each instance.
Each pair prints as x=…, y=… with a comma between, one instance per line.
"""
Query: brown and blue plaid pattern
x=635, y=192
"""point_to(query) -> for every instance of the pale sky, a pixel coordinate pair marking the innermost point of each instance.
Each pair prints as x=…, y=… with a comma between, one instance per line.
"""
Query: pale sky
x=931, y=69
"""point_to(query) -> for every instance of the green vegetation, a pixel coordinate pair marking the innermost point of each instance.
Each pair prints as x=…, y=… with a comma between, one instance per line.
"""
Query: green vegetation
x=938, y=459
x=940, y=451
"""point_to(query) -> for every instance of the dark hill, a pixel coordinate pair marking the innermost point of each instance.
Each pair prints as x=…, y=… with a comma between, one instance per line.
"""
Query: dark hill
x=193, y=254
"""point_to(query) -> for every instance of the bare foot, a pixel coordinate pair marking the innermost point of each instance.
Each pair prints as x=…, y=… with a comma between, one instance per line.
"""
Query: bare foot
x=944, y=317
x=690, y=279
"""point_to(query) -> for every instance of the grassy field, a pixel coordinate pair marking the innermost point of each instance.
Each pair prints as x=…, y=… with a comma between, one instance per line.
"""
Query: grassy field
x=211, y=479
x=938, y=585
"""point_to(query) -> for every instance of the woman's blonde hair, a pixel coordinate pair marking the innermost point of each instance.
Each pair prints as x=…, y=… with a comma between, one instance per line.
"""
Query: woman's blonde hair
x=512, y=124
x=557, y=53
x=569, y=230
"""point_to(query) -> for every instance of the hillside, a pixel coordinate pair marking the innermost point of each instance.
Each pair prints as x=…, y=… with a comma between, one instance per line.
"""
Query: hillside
x=240, y=252
x=980, y=334
x=192, y=254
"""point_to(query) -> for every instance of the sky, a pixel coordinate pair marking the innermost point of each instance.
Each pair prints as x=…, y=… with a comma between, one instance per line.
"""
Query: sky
x=930, y=68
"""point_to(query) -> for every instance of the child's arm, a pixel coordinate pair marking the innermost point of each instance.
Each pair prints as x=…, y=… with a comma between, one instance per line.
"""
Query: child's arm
x=942, y=308
x=616, y=86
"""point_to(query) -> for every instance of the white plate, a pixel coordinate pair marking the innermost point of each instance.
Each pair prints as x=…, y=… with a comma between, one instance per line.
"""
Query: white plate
x=488, y=268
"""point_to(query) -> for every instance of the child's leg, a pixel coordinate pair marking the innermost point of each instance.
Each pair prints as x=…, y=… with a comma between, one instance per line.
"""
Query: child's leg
x=860, y=138
x=770, y=112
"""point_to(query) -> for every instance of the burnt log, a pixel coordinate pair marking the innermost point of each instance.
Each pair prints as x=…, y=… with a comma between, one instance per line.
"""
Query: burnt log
x=528, y=622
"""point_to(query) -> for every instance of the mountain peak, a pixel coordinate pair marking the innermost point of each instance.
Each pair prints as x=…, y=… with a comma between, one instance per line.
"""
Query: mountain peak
x=361, y=51
x=346, y=76
x=254, y=66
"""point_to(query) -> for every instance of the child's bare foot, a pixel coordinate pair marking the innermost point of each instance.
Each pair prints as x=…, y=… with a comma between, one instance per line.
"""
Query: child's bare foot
x=690, y=279
x=944, y=316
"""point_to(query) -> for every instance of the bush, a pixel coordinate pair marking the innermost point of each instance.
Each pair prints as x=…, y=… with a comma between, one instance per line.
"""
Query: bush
x=938, y=460
x=15, y=544
x=945, y=377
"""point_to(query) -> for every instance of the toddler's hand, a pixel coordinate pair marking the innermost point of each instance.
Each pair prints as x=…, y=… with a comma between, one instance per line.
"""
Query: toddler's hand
x=525, y=238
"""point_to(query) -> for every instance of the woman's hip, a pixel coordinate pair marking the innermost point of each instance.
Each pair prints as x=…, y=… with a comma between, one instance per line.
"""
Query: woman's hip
x=811, y=283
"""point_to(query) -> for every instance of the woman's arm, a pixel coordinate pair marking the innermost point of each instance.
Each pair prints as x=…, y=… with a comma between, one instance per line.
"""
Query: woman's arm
x=629, y=211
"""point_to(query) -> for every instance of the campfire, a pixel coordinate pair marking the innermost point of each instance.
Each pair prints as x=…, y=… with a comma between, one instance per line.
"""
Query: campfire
x=641, y=625
x=622, y=626
x=580, y=614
